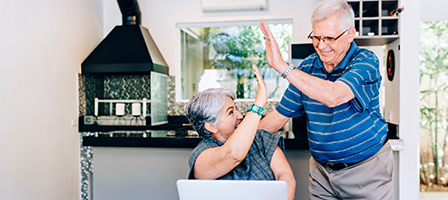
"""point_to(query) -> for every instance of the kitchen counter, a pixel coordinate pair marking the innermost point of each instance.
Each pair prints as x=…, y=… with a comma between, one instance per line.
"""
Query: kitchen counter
x=176, y=134
x=160, y=139
x=126, y=151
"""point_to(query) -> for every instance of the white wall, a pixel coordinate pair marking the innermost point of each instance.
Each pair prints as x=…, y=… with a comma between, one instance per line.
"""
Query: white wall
x=409, y=100
x=161, y=18
x=42, y=46
x=433, y=10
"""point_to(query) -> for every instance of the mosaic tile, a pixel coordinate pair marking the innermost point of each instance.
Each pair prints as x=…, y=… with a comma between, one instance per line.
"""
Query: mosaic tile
x=81, y=96
x=86, y=158
x=178, y=108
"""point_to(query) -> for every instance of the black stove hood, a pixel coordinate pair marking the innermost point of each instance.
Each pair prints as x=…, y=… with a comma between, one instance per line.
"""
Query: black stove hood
x=127, y=49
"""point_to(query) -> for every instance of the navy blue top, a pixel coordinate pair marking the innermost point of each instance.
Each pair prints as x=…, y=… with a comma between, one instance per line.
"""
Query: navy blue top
x=352, y=131
x=256, y=165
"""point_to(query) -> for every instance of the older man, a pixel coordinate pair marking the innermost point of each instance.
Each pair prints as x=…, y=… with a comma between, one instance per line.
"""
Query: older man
x=337, y=89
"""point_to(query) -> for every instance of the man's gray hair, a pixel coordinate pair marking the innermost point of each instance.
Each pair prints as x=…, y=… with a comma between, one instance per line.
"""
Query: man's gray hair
x=205, y=107
x=326, y=8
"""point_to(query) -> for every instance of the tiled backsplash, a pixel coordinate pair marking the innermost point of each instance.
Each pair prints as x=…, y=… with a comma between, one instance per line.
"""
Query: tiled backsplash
x=121, y=87
x=178, y=108
x=132, y=87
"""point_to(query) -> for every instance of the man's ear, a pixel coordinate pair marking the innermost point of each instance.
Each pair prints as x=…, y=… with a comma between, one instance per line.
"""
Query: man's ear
x=351, y=34
x=210, y=127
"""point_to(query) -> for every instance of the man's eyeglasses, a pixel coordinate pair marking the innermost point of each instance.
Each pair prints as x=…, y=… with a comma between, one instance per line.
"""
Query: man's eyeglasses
x=327, y=40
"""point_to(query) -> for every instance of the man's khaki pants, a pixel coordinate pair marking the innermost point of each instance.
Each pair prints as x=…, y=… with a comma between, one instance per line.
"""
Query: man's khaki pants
x=369, y=179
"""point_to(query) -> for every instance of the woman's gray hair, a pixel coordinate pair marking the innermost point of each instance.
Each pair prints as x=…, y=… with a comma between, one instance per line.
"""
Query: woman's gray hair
x=205, y=107
x=326, y=8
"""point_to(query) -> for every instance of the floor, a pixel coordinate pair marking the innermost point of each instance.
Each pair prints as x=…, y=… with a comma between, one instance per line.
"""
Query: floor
x=433, y=195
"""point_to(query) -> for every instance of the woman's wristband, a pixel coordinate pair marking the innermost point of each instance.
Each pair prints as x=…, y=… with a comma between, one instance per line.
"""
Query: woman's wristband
x=256, y=109
x=288, y=70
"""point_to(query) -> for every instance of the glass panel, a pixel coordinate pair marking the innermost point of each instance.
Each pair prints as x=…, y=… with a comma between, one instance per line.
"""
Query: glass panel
x=214, y=57
x=159, y=99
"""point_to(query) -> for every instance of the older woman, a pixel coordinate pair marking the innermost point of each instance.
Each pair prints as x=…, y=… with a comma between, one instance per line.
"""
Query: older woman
x=232, y=148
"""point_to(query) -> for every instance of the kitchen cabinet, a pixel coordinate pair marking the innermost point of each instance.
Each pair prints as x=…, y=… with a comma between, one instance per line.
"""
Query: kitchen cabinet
x=376, y=21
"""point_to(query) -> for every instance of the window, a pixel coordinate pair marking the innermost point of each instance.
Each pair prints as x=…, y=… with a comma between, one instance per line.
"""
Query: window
x=222, y=54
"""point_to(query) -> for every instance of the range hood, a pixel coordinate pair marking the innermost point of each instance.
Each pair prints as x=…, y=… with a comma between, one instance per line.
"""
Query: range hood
x=127, y=49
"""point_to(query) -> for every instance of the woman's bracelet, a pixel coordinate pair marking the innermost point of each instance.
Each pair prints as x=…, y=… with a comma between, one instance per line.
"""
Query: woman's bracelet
x=256, y=109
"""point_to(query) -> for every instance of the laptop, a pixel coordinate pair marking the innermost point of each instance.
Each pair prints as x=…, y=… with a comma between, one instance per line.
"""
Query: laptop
x=231, y=190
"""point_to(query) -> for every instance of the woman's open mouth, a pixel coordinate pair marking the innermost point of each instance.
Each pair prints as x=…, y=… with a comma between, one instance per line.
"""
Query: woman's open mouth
x=238, y=123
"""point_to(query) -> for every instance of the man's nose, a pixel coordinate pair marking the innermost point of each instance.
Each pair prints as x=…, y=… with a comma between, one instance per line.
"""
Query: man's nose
x=322, y=44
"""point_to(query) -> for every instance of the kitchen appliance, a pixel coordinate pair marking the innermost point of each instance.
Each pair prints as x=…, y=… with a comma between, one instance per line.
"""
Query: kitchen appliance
x=127, y=49
x=125, y=63
x=157, y=114
x=235, y=189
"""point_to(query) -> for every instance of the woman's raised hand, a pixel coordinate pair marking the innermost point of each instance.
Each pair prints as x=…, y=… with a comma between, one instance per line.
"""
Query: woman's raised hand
x=262, y=93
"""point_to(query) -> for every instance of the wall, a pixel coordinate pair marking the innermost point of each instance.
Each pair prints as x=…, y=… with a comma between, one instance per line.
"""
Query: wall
x=433, y=10
x=408, y=165
x=162, y=17
x=42, y=46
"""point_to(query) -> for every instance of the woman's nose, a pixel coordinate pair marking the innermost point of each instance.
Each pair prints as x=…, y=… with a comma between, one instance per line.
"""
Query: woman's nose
x=239, y=115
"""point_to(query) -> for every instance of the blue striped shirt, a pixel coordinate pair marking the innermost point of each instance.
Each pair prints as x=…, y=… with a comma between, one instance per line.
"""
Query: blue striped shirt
x=350, y=132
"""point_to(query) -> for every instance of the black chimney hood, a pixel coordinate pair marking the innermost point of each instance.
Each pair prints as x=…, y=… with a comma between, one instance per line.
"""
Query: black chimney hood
x=127, y=49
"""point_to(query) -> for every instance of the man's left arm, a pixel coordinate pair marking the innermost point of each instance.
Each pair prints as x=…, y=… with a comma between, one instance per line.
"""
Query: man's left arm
x=329, y=93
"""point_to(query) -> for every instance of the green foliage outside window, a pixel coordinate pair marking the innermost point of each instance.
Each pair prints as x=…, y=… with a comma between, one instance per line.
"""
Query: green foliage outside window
x=433, y=104
x=237, y=51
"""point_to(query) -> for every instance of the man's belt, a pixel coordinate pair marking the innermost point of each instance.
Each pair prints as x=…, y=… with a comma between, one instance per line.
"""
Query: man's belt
x=339, y=166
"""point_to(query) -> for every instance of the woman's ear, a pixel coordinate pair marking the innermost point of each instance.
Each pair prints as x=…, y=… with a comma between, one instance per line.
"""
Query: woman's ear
x=210, y=127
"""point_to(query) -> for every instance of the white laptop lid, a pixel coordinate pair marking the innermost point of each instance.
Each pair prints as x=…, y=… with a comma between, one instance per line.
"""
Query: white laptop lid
x=231, y=189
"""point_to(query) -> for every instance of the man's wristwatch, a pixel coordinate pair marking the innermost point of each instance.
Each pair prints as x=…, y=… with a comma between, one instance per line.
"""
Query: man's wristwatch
x=288, y=70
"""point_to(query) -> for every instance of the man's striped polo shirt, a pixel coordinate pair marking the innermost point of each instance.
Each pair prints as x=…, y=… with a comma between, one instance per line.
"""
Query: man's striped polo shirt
x=350, y=132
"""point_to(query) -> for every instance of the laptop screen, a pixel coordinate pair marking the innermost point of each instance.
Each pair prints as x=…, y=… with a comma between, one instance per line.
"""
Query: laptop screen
x=231, y=189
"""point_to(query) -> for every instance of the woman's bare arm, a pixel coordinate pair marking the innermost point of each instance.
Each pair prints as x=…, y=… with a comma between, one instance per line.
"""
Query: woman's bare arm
x=216, y=162
x=283, y=172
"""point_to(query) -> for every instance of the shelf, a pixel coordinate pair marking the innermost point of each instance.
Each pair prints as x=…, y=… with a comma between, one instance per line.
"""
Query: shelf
x=373, y=21
x=370, y=9
x=355, y=6
x=387, y=7
x=375, y=40
x=369, y=26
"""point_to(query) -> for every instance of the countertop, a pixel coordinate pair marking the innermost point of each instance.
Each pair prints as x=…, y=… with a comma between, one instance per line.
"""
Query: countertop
x=177, y=134
x=161, y=139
